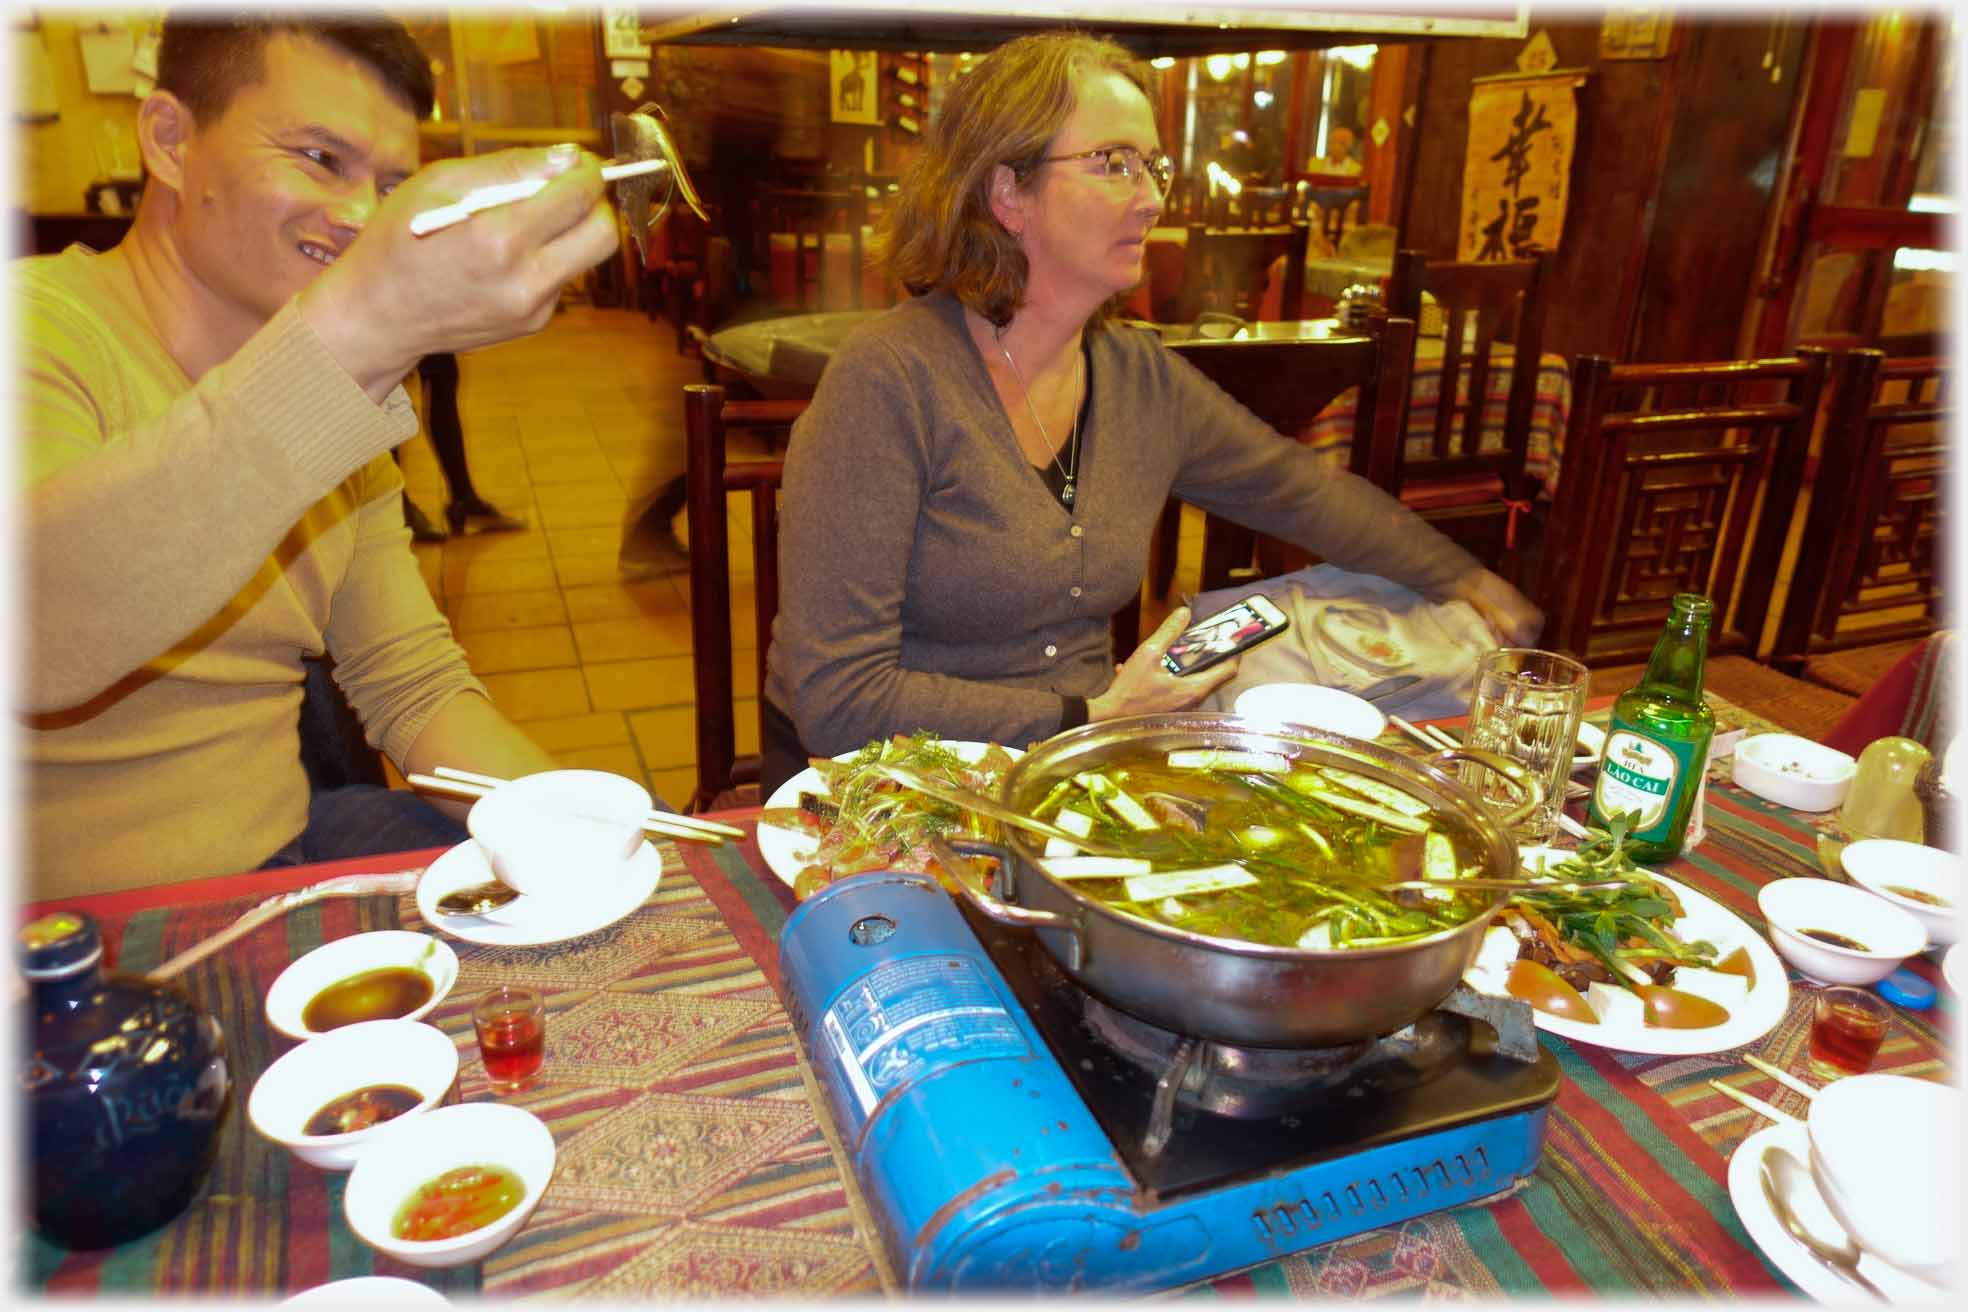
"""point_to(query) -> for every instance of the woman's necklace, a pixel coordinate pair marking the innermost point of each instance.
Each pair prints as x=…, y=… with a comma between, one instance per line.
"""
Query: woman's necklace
x=1070, y=471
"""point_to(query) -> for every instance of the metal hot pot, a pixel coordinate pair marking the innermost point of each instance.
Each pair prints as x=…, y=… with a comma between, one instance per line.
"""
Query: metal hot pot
x=1229, y=991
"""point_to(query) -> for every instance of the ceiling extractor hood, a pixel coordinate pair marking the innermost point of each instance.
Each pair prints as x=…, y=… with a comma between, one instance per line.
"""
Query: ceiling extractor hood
x=1148, y=28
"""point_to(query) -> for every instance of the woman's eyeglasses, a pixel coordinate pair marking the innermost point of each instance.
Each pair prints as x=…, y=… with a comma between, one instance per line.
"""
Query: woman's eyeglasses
x=1125, y=164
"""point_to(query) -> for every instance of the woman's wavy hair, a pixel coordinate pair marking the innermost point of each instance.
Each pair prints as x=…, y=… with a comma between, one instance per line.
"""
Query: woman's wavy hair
x=940, y=232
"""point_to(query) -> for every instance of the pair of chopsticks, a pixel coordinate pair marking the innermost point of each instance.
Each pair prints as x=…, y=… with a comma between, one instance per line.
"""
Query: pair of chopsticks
x=465, y=783
x=1429, y=736
x=505, y=193
x=1756, y=1104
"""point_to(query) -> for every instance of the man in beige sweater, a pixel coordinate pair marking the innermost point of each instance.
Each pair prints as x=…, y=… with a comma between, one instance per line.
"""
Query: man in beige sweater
x=206, y=413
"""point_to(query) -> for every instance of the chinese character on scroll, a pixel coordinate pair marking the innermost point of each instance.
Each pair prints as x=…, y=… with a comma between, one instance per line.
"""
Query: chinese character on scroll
x=1519, y=166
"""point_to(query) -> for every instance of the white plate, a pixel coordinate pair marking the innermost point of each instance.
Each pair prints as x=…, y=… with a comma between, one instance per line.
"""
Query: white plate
x=786, y=850
x=1954, y=968
x=528, y=921
x=1791, y=1257
x=366, y=1289
x=1702, y=918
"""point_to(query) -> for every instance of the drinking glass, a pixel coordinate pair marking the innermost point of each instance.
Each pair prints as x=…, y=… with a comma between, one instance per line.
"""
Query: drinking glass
x=1847, y=1027
x=512, y=1036
x=1527, y=707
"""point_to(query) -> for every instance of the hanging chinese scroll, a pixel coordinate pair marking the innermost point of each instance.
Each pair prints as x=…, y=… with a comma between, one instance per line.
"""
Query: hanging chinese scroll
x=1517, y=175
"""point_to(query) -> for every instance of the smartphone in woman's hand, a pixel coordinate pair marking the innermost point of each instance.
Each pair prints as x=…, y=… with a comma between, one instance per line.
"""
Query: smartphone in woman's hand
x=1233, y=629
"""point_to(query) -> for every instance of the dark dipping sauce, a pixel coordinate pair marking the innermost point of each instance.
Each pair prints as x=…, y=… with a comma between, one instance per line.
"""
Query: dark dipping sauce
x=1837, y=940
x=1919, y=895
x=382, y=994
x=362, y=1109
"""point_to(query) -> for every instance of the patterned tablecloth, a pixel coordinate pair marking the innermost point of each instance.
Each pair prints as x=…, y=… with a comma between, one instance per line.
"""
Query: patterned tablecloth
x=694, y=1162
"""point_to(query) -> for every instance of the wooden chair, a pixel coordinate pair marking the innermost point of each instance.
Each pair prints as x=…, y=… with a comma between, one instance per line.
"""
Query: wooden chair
x=725, y=777
x=1224, y=270
x=709, y=480
x=1868, y=572
x=1471, y=489
x=673, y=277
x=1267, y=207
x=1337, y=196
x=1286, y=383
x=811, y=219
x=1666, y=466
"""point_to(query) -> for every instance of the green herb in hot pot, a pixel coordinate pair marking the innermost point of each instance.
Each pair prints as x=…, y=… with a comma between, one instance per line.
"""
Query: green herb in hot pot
x=867, y=821
x=1263, y=848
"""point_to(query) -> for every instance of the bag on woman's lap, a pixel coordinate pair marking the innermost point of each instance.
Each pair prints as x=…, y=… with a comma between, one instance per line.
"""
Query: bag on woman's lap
x=1353, y=630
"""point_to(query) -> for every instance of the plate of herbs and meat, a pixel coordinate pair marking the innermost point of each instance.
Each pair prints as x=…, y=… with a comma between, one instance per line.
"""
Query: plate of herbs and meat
x=1650, y=966
x=843, y=816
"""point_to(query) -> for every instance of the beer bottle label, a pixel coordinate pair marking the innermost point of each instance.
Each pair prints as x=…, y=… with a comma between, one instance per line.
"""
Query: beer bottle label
x=1639, y=774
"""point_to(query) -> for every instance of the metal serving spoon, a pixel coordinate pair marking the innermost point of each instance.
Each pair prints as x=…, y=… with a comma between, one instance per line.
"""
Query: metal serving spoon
x=1779, y=1170
x=475, y=899
x=990, y=810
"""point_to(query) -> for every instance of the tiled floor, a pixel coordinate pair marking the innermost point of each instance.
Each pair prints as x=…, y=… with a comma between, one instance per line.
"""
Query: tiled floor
x=566, y=427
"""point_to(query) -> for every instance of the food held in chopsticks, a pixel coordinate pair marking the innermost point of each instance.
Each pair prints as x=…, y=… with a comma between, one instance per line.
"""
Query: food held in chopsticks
x=867, y=821
x=1610, y=955
x=1258, y=847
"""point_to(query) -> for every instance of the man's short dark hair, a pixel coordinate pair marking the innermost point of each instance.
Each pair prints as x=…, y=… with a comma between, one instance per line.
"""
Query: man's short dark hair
x=207, y=56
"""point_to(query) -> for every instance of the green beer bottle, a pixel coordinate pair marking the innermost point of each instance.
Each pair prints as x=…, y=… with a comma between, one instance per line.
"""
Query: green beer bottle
x=1657, y=745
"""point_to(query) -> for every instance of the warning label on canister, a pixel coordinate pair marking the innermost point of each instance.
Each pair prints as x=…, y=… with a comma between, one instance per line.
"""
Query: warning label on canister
x=906, y=1020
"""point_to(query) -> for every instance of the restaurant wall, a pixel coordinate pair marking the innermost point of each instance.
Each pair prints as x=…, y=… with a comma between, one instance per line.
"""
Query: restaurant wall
x=1672, y=180
x=58, y=160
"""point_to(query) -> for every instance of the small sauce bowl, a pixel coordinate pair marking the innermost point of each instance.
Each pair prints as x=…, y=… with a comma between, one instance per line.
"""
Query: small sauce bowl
x=345, y=958
x=1793, y=906
x=353, y=1057
x=402, y=1160
x=1891, y=868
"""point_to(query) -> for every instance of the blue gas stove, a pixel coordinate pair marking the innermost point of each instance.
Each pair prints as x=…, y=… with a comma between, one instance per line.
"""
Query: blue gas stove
x=1011, y=1132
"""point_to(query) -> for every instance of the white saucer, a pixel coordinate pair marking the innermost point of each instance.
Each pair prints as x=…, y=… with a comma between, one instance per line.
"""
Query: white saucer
x=1790, y=1257
x=527, y=921
x=366, y=1289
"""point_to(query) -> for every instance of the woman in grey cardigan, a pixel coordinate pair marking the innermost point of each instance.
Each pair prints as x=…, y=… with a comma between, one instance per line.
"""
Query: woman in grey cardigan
x=970, y=495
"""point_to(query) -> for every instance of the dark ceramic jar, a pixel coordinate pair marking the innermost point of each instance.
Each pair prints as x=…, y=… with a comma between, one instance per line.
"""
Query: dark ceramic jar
x=126, y=1084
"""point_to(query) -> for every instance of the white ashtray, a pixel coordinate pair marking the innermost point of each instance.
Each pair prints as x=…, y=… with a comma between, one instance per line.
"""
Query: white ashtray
x=1794, y=772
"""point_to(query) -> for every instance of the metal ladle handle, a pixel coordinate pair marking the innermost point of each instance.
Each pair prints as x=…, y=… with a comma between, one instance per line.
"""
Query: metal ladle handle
x=978, y=804
x=1527, y=784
